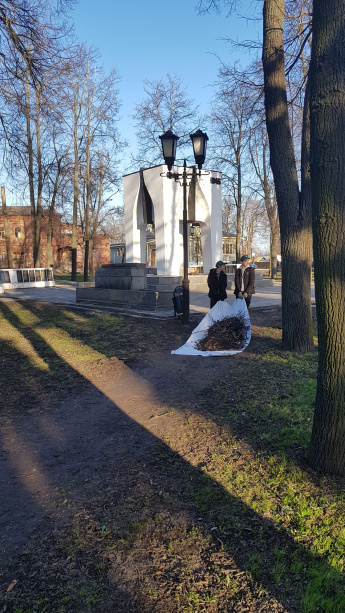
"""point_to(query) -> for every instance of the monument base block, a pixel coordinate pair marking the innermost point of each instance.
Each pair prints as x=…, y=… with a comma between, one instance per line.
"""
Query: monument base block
x=129, y=286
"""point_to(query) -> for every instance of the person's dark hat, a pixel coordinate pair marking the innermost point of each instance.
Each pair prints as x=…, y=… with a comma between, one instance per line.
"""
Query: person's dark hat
x=219, y=263
x=244, y=257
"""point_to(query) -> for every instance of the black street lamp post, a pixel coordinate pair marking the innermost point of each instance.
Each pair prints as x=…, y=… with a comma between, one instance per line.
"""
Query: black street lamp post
x=169, y=142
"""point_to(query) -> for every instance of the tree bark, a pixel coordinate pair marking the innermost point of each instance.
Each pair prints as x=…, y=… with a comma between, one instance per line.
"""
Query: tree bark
x=327, y=81
x=295, y=235
x=6, y=228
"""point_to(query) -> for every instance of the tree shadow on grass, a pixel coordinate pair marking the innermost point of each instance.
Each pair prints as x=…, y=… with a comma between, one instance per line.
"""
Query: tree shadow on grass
x=121, y=522
x=268, y=400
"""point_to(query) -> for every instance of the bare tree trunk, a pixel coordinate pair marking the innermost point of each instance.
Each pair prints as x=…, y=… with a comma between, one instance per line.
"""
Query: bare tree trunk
x=50, y=255
x=6, y=228
x=30, y=164
x=38, y=216
x=95, y=215
x=87, y=208
x=91, y=262
x=295, y=235
x=75, y=204
x=238, y=211
x=327, y=77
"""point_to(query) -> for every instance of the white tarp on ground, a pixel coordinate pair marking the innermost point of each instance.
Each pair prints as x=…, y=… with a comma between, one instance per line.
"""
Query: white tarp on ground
x=220, y=311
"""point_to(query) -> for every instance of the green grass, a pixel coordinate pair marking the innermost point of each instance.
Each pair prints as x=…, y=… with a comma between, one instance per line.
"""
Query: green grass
x=309, y=514
x=67, y=277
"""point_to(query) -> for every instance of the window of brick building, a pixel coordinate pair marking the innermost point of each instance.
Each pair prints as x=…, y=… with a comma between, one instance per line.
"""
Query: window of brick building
x=2, y=256
x=17, y=232
x=2, y=232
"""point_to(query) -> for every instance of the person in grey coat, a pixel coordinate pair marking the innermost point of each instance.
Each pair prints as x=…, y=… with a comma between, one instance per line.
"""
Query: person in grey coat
x=244, y=281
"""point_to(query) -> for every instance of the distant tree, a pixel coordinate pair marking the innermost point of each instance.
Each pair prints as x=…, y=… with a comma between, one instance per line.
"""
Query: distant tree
x=25, y=124
x=57, y=172
x=294, y=214
x=327, y=82
x=75, y=96
x=114, y=225
x=230, y=135
x=104, y=185
x=229, y=216
x=92, y=102
x=259, y=151
x=251, y=222
x=99, y=115
x=31, y=42
x=165, y=107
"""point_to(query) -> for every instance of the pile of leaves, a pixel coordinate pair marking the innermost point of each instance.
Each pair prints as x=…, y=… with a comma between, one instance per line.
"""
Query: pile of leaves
x=225, y=335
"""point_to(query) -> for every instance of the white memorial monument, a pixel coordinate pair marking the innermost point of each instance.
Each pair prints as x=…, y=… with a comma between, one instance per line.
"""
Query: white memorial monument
x=151, y=197
x=170, y=201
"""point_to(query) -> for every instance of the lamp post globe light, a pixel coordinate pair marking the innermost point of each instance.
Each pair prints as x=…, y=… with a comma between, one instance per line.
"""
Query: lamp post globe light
x=199, y=140
x=169, y=142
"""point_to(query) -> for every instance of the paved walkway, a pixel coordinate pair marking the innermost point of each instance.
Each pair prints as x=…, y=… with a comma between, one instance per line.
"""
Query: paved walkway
x=264, y=297
x=199, y=302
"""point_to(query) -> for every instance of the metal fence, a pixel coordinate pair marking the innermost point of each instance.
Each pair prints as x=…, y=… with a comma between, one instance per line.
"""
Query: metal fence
x=12, y=278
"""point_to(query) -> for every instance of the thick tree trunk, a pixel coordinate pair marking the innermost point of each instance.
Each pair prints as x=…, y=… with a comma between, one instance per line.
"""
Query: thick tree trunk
x=6, y=229
x=327, y=81
x=295, y=235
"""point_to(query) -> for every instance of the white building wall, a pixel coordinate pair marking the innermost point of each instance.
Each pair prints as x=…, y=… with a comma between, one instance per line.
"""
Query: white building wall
x=167, y=198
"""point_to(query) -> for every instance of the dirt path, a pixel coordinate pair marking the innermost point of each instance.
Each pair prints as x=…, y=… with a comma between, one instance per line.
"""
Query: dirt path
x=49, y=459
x=110, y=454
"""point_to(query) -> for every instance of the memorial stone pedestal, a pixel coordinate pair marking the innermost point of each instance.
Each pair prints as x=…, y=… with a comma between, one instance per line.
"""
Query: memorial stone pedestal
x=128, y=286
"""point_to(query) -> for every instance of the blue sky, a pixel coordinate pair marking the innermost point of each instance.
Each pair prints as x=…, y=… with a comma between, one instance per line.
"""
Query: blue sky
x=146, y=39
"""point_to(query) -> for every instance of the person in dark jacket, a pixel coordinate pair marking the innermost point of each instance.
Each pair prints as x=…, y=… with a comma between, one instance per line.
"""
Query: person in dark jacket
x=217, y=282
x=244, y=280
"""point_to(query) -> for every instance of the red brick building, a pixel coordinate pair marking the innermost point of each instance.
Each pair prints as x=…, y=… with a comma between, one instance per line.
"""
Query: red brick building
x=19, y=221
